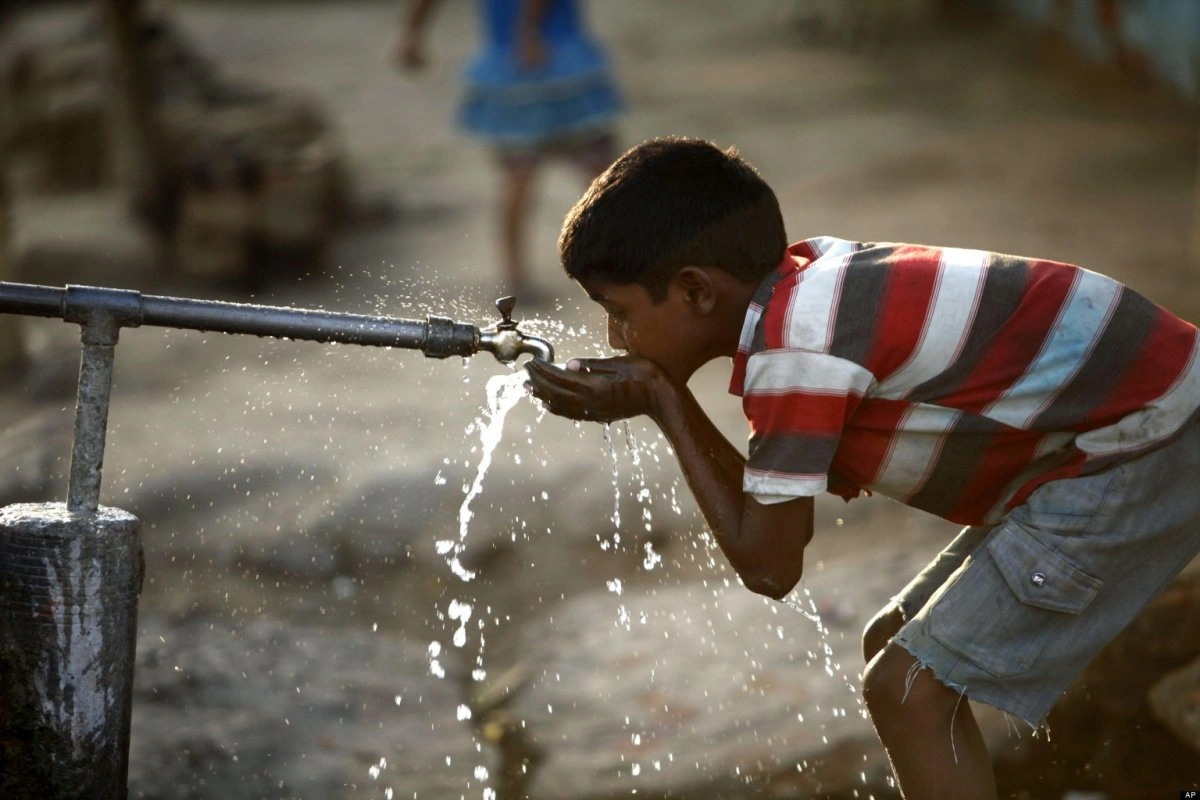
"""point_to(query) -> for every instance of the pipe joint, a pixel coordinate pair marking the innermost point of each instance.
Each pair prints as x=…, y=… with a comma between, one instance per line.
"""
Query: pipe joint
x=101, y=313
x=445, y=338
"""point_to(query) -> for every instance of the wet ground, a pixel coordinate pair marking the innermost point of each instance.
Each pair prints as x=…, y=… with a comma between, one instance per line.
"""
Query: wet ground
x=308, y=482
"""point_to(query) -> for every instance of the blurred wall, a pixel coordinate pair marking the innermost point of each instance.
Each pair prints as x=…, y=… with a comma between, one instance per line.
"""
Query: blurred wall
x=1160, y=38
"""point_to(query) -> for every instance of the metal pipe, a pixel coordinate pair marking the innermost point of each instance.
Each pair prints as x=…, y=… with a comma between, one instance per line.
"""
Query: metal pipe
x=91, y=425
x=31, y=300
x=437, y=337
x=101, y=313
x=304, y=324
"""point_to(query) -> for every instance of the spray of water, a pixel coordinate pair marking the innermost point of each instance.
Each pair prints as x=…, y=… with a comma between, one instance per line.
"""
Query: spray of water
x=801, y=599
x=503, y=393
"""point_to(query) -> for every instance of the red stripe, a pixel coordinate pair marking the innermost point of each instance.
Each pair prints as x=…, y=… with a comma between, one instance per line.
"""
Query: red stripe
x=1018, y=343
x=798, y=413
x=911, y=277
x=774, y=319
x=1012, y=453
x=803, y=250
x=865, y=445
x=737, y=377
x=1070, y=469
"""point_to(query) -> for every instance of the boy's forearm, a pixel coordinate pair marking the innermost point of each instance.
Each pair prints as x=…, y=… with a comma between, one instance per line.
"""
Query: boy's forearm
x=769, y=561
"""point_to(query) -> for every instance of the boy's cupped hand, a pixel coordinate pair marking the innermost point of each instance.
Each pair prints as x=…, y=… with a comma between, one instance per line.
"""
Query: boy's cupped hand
x=598, y=389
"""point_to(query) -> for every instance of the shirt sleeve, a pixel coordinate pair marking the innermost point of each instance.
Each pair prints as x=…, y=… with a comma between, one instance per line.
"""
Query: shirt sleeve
x=797, y=403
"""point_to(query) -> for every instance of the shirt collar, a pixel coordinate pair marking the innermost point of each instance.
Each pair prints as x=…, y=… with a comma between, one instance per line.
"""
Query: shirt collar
x=795, y=260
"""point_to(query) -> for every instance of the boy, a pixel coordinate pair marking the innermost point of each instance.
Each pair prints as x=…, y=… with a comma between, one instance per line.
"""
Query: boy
x=1049, y=409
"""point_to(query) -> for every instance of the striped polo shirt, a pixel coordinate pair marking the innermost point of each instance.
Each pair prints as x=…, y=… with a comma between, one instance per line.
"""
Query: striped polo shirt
x=955, y=381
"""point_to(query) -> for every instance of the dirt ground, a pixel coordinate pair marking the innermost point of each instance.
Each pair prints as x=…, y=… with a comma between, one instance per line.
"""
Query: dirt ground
x=240, y=454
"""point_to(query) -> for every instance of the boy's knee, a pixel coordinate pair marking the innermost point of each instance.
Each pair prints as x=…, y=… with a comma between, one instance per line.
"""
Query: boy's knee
x=880, y=630
x=895, y=684
x=884, y=679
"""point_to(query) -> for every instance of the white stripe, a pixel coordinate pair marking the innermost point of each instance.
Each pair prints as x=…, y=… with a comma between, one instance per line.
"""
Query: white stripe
x=914, y=450
x=1081, y=321
x=955, y=300
x=1052, y=443
x=773, y=499
x=753, y=315
x=781, y=371
x=1158, y=420
x=775, y=483
x=831, y=246
x=808, y=324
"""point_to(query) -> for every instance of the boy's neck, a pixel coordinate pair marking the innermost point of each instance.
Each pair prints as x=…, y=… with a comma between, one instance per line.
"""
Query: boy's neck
x=736, y=297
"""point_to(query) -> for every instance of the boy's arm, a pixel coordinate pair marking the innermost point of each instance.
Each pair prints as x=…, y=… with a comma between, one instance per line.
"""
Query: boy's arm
x=764, y=543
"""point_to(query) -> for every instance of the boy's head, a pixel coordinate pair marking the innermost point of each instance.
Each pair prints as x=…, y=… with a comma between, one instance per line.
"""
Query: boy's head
x=670, y=203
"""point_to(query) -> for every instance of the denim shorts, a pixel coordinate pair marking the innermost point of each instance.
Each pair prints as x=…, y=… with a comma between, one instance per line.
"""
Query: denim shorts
x=1010, y=614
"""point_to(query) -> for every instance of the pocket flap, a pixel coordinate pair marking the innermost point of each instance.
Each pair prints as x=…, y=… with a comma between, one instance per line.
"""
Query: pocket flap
x=1040, y=577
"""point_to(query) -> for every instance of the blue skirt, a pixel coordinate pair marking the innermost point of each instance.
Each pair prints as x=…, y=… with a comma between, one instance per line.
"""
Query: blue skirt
x=572, y=93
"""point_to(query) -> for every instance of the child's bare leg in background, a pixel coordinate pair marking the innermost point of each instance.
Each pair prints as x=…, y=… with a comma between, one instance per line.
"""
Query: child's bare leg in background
x=519, y=172
x=928, y=730
x=515, y=197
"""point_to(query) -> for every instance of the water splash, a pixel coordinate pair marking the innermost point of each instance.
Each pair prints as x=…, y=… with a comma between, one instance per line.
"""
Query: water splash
x=616, y=481
x=801, y=599
x=503, y=393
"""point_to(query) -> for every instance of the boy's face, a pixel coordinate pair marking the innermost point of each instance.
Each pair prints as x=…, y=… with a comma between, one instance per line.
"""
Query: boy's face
x=665, y=333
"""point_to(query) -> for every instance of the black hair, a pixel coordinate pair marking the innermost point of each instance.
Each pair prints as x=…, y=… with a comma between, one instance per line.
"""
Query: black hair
x=669, y=203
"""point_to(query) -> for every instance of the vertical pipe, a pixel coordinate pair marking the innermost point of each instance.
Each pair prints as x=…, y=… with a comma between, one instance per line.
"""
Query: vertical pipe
x=68, y=625
x=91, y=422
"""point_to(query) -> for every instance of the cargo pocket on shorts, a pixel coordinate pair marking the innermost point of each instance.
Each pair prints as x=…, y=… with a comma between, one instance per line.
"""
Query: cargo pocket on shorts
x=1014, y=596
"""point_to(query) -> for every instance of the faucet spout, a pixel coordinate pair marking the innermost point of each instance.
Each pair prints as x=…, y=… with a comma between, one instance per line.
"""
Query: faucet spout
x=506, y=342
x=538, y=348
x=508, y=345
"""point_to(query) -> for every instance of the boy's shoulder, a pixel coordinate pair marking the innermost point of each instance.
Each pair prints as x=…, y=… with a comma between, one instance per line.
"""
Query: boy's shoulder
x=851, y=298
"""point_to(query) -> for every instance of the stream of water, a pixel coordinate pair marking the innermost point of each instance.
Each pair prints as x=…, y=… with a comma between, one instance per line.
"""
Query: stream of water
x=503, y=394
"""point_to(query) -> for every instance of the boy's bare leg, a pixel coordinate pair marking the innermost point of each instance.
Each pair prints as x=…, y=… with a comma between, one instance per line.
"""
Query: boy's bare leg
x=880, y=630
x=928, y=730
x=514, y=213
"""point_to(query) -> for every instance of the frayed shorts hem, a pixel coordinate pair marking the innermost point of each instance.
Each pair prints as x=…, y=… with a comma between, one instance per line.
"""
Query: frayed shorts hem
x=962, y=676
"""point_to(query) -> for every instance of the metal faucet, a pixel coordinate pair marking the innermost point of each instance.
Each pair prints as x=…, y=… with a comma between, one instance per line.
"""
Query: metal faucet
x=506, y=342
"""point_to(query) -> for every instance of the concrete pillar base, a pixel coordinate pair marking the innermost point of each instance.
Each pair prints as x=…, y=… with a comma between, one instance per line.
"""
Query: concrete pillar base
x=69, y=587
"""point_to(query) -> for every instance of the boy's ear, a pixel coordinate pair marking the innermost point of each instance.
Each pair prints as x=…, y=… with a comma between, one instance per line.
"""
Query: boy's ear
x=698, y=288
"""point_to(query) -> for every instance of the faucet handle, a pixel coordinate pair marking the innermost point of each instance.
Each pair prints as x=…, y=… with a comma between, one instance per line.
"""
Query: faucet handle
x=505, y=306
